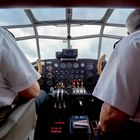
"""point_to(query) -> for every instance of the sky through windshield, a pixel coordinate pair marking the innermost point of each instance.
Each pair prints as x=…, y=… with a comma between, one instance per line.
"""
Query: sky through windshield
x=40, y=32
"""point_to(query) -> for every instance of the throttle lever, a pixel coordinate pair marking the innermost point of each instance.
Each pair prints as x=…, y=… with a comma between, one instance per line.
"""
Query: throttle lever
x=62, y=98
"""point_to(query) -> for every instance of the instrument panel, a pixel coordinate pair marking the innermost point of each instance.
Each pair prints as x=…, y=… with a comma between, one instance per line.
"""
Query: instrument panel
x=80, y=71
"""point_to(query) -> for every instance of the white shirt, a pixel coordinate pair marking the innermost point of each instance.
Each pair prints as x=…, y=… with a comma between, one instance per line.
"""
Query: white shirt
x=119, y=83
x=16, y=72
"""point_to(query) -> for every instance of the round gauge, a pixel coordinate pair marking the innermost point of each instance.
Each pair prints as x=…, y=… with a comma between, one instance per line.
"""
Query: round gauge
x=81, y=76
x=77, y=71
x=62, y=65
x=72, y=76
x=75, y=65
x=82, y=65
x=82, y=71
x=69, y=65
x=49, y=68
x=49, y=75
x=49, y=82
x=72, y=71
x=76, y=76
x=56, y=65
x=89, y=66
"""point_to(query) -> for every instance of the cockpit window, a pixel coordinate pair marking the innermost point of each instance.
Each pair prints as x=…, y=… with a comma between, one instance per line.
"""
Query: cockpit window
x=88, y=13
x=13, y=16
x=85, y=30
x=47, y=14
x=59, y=31
x=119, y=31
x=29, y=48
x=106, y=47
x=41, y=32
x=49, y=47
x=119, y=16
x=21, y=32
x=91, y=47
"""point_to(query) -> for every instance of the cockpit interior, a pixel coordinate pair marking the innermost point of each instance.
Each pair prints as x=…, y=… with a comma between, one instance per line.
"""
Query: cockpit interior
x=69, y=81
x=69, y=47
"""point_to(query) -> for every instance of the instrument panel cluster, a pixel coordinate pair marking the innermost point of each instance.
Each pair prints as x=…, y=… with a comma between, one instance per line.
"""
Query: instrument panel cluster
x=56, y=71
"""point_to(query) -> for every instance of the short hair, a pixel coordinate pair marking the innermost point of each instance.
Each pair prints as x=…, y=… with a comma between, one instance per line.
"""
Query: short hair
x=133, y=21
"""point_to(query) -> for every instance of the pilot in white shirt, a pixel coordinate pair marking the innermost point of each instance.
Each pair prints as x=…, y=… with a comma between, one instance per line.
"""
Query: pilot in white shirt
x=119, y=84
x=17, y=75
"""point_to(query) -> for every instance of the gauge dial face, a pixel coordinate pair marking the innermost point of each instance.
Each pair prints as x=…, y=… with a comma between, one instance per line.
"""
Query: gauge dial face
x=82, y=65
x=49, y=75
x=75, y=65
x=56, y=65
x=62, y=65
x=90, y=66
x=49, y=68
x=69, y=65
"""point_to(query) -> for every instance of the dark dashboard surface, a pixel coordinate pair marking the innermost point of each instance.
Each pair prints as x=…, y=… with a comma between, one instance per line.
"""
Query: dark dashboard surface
x=79, y=73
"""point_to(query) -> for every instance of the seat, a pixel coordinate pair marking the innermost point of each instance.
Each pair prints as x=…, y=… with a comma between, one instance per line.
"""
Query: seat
x=20, y=123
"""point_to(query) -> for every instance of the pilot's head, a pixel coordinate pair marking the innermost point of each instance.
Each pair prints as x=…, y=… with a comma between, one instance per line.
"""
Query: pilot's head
x=133, y=21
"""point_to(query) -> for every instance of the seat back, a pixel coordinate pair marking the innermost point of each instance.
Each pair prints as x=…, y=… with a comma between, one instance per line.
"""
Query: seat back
x=21, y=123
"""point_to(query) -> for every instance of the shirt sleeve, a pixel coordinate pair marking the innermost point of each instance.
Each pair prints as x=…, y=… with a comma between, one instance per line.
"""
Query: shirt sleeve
x=18, y=72
x=119, y=83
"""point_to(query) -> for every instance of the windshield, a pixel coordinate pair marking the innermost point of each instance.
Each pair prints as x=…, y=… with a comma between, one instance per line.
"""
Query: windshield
x=40, y=32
